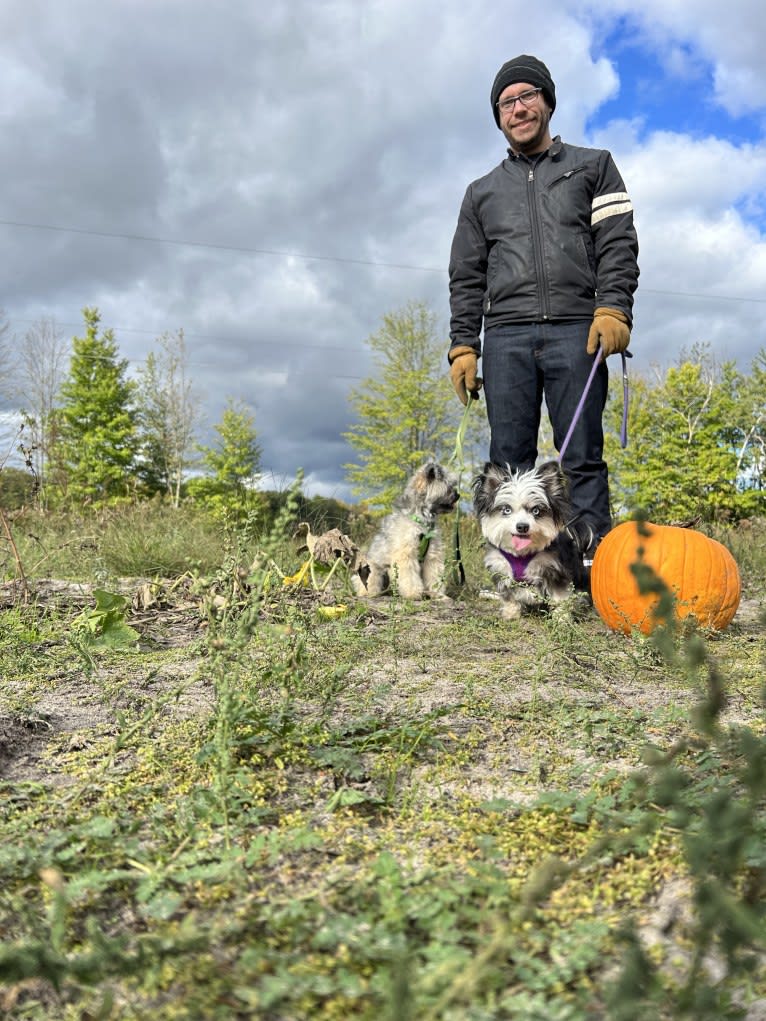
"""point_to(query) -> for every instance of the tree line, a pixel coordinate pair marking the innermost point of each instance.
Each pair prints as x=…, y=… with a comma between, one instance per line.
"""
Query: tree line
x=92, y=436
x=697, y=429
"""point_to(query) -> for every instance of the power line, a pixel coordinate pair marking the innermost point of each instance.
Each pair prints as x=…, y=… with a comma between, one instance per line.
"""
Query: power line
x=182, y=243
x=216, y=247
x=191, y=336
x=691, y=294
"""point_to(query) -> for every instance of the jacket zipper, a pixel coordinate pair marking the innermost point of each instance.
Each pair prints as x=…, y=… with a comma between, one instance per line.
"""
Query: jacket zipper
x=537, y=238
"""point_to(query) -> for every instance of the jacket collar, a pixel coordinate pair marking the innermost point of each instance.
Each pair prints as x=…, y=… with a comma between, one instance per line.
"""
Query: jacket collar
x=553, y=150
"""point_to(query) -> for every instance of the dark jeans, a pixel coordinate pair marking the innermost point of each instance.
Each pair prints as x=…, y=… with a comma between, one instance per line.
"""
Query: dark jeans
x=521, y=364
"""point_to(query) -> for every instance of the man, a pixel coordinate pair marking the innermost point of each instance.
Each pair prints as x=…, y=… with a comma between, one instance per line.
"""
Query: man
x=544, y=259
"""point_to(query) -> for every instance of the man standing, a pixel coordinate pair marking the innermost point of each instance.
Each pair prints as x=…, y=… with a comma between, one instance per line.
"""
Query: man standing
x=544, y=260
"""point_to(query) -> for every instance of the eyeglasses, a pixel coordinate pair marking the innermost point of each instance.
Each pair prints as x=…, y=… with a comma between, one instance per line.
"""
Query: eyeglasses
x=525, y=98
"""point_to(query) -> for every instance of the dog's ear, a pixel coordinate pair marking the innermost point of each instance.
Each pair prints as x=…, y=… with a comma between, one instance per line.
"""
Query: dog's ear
x=551, y=474
x=422, y=479
x=486, y=485
x=556, y=486
x=549, y=469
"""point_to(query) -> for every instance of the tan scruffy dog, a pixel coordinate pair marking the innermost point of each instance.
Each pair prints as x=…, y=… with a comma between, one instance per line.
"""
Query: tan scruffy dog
x=407, y=552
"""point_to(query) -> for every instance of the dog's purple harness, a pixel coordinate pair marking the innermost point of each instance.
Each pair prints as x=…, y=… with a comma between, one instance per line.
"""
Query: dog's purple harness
x=519, y=565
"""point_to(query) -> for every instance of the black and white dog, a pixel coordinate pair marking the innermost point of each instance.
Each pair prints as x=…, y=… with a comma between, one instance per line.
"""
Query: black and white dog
x=532, y=550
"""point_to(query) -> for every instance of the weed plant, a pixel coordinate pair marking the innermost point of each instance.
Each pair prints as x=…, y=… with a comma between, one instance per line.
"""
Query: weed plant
x=394, y=811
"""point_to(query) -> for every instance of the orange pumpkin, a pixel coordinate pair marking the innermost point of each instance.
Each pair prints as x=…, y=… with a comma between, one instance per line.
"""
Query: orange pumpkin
x=701, y=573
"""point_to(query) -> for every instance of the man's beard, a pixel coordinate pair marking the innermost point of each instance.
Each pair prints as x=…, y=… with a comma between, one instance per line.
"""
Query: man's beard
x=534, y=142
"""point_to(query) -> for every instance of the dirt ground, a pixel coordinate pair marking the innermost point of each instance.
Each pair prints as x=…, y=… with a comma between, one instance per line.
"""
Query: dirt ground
x=75, y=712
x=74, y=709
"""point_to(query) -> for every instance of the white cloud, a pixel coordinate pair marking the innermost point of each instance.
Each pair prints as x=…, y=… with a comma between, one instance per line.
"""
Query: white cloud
x=346, y=131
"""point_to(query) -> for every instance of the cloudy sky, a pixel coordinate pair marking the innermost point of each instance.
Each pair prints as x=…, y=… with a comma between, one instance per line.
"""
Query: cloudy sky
x=274, y=177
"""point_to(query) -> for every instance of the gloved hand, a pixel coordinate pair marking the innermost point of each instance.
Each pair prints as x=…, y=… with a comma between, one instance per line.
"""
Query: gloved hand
x=610, y=329
x=463, y=365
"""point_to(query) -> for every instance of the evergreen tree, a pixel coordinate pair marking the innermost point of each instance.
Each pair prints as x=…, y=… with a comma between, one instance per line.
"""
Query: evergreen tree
x=233, y=462
x=408, y=412
x=95, y=435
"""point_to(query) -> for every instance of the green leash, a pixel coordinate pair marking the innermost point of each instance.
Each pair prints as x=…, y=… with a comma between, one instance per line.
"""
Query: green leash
x=425, y=542
x=458, y=461
x=426, y=535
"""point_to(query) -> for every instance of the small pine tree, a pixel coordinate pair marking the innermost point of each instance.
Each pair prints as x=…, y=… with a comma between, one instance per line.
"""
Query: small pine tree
x=95, y=435
x=233, y=463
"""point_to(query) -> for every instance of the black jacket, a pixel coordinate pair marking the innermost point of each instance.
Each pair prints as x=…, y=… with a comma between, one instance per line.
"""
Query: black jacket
x=542, y=240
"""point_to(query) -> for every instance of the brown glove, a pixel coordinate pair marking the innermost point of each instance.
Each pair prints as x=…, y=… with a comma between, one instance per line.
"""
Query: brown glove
x=463, y=364
x=610, y=329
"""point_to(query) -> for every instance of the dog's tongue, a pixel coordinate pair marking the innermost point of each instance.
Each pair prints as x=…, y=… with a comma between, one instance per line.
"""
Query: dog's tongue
x=519, y=542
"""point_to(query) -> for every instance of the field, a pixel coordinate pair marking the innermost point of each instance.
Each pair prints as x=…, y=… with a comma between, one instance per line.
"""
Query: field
x=226, y=796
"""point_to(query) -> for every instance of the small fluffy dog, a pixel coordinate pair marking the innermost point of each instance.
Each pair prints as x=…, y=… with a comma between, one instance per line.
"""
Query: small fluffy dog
x=534, y=554
x=408, y=550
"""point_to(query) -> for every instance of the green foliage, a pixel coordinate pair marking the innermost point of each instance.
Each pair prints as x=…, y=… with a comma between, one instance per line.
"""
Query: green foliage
x=232, y=464
x=695, y=442
x=104, y=625
x=17, y=488
x=320, y=512
x=747, y=544
x=148, y=539
x=408, y=412
x=750, y=437
x=710, y=788
x=95, y=443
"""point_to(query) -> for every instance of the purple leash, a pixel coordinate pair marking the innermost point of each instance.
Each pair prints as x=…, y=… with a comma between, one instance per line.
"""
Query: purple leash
x=581, y=404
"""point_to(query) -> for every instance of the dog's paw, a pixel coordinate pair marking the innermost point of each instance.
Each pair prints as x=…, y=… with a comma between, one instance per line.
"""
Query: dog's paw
x=510, y=610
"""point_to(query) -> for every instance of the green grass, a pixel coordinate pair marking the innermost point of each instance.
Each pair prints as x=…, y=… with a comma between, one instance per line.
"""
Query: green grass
x=404, y=812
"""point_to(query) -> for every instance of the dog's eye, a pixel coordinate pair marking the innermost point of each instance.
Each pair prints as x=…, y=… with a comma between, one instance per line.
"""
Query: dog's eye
x=507, y=511
x=536, y=512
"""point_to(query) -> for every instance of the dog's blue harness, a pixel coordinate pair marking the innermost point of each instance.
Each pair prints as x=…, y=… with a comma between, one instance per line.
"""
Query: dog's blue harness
x=519, y=565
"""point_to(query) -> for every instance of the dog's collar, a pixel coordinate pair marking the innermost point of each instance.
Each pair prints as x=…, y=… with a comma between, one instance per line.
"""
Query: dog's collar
x=519, y=565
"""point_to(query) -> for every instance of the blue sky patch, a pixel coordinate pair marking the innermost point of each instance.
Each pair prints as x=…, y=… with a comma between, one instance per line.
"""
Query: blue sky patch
x=671, y=90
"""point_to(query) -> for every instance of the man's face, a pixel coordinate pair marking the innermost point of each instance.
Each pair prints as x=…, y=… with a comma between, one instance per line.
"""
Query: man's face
x=525, y=123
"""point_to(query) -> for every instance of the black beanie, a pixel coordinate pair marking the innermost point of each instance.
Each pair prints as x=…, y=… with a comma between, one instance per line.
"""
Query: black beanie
x=523, y=69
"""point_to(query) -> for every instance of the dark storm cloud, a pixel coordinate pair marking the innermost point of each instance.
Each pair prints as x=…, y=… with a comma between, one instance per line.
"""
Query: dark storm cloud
x=300, y=166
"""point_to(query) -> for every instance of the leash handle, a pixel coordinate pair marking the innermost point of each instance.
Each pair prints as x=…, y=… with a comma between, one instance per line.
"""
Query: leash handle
x=625, y=399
